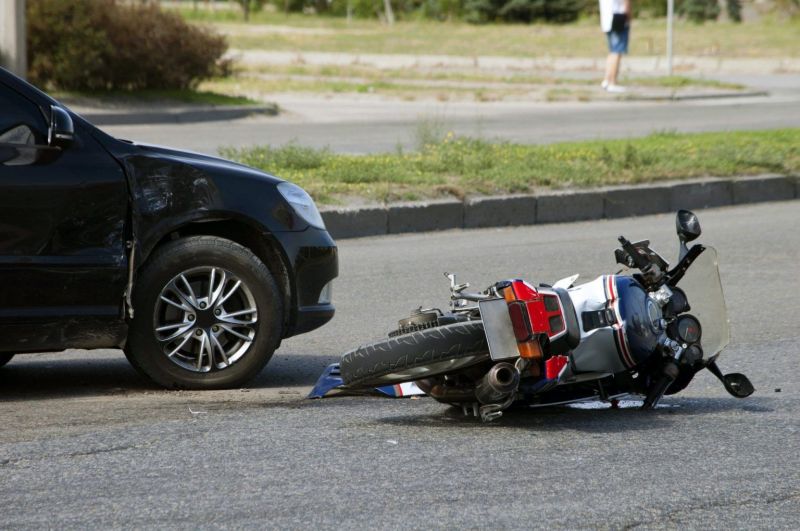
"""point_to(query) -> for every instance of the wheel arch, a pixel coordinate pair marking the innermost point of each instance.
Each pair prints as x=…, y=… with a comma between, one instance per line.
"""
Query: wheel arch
x=263, y=244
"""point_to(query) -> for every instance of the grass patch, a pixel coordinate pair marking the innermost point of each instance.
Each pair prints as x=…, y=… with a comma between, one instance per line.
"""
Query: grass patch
x=455, y=76
x=263, y=87
x=676, y=82
x=194, y=97
x=465, y=166
x=413, y=85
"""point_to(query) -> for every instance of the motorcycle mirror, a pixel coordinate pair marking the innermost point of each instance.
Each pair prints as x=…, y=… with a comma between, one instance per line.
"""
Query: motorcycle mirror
x=735, y=383
x=688, y=228
x=687, y=225
x=738, y=385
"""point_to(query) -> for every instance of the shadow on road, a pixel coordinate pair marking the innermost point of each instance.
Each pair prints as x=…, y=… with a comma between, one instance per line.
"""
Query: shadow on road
x=107, y=372
x=586, y=420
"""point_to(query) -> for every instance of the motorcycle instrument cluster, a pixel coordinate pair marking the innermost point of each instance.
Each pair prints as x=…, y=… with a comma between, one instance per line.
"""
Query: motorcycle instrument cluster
x=686, y=329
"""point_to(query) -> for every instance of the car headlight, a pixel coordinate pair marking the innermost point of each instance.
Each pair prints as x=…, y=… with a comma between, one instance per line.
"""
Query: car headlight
x=326, y=295
x=302, y=204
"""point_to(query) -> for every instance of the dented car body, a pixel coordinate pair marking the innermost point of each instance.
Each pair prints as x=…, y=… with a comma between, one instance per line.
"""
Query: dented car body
x=82, y=213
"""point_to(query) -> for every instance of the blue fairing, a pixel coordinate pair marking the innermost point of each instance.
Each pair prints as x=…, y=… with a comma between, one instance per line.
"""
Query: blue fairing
x=637, y=310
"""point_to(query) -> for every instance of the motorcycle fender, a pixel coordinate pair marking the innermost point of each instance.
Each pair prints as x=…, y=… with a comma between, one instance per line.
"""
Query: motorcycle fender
x=499, y=330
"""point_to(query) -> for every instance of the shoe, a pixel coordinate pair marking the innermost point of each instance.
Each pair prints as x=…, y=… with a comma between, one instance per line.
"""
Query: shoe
x=616, y=89
x=604, y=84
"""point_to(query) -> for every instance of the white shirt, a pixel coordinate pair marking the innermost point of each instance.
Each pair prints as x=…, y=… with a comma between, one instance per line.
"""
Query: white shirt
x=608, y=8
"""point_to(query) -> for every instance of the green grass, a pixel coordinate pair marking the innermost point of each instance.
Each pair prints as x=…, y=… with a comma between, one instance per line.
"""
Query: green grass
x=194, y=97
x=464, y=166
x=766, y=37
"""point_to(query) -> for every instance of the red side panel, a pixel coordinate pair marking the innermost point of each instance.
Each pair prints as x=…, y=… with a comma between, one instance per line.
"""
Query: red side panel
x=553, y=366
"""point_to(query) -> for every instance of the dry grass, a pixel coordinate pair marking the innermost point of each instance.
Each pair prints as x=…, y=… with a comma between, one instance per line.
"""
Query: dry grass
x=273, y=31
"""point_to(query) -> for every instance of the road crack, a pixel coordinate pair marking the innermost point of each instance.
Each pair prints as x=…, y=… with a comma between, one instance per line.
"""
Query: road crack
x=673, y=516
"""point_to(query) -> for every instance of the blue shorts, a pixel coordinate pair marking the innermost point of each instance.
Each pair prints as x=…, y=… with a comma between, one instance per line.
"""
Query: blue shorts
x=618, y=40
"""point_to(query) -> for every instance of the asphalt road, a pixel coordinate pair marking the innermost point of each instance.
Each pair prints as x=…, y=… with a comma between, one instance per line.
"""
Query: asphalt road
x=381, y=126
x=85, y=443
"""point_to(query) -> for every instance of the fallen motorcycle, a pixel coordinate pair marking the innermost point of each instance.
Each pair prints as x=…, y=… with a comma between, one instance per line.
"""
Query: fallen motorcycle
x=646, y=330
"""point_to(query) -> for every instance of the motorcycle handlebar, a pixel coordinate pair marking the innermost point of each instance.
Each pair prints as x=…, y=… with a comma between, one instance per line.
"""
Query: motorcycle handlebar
x=639, y=260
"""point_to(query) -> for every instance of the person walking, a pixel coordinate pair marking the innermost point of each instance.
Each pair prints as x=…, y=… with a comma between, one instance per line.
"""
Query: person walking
x=615, y=20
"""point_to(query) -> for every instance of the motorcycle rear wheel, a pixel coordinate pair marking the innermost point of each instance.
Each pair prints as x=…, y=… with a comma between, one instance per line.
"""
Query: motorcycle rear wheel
x=417, y=355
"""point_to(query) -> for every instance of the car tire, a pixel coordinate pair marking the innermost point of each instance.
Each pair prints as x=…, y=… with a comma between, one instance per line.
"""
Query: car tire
x=207, y=315
x=5, y=358
x=416, y=355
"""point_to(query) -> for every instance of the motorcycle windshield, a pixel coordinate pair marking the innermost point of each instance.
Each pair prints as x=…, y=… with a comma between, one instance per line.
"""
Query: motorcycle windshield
x=703, y=288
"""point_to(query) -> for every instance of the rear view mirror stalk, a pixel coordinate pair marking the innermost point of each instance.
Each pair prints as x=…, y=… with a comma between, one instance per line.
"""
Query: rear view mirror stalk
x=737, y=384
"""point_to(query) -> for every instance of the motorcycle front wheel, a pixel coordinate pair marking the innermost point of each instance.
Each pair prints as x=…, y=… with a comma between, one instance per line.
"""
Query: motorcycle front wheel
x=416, y=355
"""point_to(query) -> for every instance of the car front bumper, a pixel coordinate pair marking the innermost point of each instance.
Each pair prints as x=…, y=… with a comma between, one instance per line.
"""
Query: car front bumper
x=314, y=261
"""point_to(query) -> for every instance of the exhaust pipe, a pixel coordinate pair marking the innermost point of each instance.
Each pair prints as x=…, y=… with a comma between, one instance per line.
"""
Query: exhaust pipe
x=442, y=393
x=498, y=384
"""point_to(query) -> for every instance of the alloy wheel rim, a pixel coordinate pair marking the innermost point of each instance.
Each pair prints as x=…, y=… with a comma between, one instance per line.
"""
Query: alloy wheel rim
x=205, y=319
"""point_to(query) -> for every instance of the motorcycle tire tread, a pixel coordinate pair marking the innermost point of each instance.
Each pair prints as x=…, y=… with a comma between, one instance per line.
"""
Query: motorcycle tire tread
x=367, y=363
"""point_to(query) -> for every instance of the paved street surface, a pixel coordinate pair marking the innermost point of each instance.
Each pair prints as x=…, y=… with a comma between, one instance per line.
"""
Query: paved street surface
x=86, y=443
x=371, y=125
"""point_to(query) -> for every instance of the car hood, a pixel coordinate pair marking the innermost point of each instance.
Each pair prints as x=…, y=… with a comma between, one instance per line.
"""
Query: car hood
x=213, y=165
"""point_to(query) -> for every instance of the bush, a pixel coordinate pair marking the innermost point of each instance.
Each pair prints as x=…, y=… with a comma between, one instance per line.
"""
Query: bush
x=476, y=11
x=99, y=45
x=480, y=11
x=699, y=10
x=734, y=10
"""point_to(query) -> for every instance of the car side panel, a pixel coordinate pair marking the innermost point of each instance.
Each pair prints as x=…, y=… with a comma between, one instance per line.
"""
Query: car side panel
x=62, y=249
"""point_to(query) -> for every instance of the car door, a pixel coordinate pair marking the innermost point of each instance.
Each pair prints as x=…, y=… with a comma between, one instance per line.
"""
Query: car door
x=63, y=215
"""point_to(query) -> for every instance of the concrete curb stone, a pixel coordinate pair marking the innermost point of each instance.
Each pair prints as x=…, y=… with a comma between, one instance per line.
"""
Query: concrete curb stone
x=639, y=200
x=763, y=188
x=356, y=222
x=559, y=206
x=707, y=193
x=176, y=115
x=500, y=211
x=426, y=216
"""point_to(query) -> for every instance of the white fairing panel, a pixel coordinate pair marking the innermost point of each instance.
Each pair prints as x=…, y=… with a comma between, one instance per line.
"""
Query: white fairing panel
x=597, y=351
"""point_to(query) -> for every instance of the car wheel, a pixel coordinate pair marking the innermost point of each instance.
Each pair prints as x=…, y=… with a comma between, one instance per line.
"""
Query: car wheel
x=207, y=315
x=5, y=358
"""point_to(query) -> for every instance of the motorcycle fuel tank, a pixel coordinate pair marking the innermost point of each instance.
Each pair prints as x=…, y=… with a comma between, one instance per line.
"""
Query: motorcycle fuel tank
x=641, y=316
x=620, y=325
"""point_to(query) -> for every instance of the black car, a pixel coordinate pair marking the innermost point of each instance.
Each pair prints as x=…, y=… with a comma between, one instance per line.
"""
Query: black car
x=196, y=266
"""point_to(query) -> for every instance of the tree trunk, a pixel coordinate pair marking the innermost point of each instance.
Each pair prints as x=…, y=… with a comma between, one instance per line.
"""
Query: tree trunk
x=387, y=7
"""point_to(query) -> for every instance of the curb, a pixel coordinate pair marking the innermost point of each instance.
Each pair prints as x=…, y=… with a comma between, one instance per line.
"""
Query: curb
x=707, y=96
x=177, y=115
x=558, y=206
